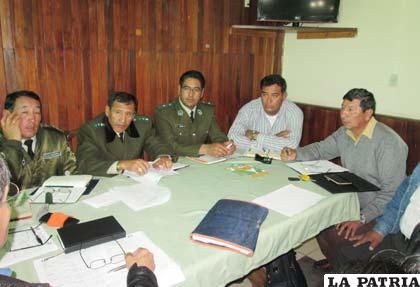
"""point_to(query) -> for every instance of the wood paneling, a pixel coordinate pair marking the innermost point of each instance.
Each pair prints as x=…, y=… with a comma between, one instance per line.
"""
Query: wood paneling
x=320, y=122
x=73, y=53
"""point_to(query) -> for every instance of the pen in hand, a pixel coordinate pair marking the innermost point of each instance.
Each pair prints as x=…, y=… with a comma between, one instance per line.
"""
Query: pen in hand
x=36, y=236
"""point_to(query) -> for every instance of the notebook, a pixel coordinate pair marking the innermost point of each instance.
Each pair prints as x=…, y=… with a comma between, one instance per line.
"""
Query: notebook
x=231, y=224
x=61, y=189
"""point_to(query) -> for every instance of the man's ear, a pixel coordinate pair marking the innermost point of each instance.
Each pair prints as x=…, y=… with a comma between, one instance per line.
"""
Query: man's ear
x=284, y=95
x=202, y=94
x=107, y=110
x=368, y=114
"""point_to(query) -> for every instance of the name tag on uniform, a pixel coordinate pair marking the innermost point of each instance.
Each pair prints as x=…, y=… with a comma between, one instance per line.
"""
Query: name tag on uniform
x=180, y=126
x=50, y=155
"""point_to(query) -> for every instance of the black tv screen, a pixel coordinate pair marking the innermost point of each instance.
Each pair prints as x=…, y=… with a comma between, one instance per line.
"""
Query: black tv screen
x=298, y=10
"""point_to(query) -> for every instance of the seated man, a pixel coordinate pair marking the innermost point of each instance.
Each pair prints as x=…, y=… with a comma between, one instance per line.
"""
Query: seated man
x=189, y=125
x=270, y=122
x=392, y=230
x=114, y=141
x=367, y=148
x=33, y=152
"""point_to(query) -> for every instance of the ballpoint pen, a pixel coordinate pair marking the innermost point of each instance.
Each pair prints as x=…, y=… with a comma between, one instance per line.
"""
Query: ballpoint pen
x=118, y=268
x=36, y=236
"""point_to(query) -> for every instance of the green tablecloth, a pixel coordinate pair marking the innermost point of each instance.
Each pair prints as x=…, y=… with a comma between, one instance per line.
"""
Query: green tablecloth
x=194, y=192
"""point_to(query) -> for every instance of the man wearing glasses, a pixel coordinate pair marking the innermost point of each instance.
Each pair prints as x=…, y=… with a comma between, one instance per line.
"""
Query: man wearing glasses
x=33, y=152
x=188, y=124
x=114, y=141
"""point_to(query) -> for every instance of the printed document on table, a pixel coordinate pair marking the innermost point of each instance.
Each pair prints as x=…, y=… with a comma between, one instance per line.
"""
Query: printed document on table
x=70, y=270
x=315, y=167
x=22, y=236
x=136, y=196
x=153, y=175
x=289, y=200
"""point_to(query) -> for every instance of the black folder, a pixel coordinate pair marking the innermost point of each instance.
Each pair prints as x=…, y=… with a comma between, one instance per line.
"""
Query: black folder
x=90, y=233
x=356, y=183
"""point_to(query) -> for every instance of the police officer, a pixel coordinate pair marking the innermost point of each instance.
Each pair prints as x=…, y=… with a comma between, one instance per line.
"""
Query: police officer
x=188, y=124
x=114, y=141
x=33, y=152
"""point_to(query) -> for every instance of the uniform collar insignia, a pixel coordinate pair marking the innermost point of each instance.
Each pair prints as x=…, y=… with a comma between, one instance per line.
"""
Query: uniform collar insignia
x=180, y=113
x=110, y=134
x=199, y=112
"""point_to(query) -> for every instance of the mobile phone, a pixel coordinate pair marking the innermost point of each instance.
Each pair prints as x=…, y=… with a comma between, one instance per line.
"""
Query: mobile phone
x=337, y=179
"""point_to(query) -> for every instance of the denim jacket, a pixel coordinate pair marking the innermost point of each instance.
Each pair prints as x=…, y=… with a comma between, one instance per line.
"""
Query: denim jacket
x=389, y=222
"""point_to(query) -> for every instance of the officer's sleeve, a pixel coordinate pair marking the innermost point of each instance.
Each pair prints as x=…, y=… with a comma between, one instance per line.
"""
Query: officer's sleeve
x=154, y=145
x=12, y=152
x=68, y=158
x=167, y=135
x=215, y=134
x=89, y=157
x=326, y=149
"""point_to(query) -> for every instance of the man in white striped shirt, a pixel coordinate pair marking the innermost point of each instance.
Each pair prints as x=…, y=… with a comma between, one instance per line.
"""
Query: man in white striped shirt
x=269, y=122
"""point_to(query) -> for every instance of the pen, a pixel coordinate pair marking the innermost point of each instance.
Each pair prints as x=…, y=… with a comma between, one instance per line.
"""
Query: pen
x=36, y=236
x=60, y=186
x=228, y=146
x=118, y=268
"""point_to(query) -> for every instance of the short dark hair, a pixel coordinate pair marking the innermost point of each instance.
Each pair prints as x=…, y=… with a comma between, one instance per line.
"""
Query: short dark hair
x=11, y=98
x=122, y=97
x=274, y=79
x=367, y=100
x=192, y=74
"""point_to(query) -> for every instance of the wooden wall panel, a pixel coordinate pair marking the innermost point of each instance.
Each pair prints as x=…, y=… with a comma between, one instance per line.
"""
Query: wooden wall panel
x=73, y=53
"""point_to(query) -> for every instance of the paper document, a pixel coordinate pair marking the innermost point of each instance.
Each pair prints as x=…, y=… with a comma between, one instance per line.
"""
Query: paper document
x=63, y=189
x=251, y=153
x=70, y=270
x=23, y=240
x=289, y=200
x=135, y=196
x=207, y=159
x=153, y=175
x=315, y=167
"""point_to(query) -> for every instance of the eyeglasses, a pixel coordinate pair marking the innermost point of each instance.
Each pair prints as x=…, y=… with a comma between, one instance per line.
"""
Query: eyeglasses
x=102, y=262
x=29, y=231
x=187, y=90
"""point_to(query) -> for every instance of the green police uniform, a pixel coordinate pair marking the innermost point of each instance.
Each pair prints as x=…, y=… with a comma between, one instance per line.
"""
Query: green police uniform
x=99, y=147
x=175, y=127
x=52, y=157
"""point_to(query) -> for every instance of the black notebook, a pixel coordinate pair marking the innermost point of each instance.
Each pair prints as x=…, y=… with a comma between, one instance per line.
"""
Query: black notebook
x=90, y=233
x=231, y=224
x=340, y=182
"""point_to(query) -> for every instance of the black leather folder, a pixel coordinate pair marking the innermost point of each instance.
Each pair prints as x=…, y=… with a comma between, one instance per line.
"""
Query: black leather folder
x=356, y=183
x=90, y=233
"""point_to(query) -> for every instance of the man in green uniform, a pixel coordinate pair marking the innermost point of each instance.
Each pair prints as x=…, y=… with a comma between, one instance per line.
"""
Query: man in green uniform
x=114, y=141
x=32, y=152
x=189, y=125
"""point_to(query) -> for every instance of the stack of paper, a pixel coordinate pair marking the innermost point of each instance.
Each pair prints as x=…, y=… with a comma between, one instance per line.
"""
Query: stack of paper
x=315, y=167
x=289, y=200
x=69, y=269
x=207, y=159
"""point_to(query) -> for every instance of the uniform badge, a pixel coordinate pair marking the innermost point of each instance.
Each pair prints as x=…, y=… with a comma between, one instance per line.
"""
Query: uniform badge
x=199, y=112
x=50, y=155
x=180, y=113
x=180, y=126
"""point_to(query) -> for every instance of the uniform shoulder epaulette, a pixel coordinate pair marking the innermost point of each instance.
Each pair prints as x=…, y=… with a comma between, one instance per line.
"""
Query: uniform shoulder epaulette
x=98, y=125
x=141, y=118
x=164, y=106
x=208, y=104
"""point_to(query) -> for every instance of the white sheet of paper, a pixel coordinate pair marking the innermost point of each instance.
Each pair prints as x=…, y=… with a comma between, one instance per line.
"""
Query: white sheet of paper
x=153, y=175
x=69, y=269
x=289, y=200
x=135, y=196
x=315, y=167
x=24, y=239
x=141, y=196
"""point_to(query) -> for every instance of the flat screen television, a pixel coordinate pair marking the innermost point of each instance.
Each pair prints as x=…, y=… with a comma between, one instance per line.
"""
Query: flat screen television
x=315, y=11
